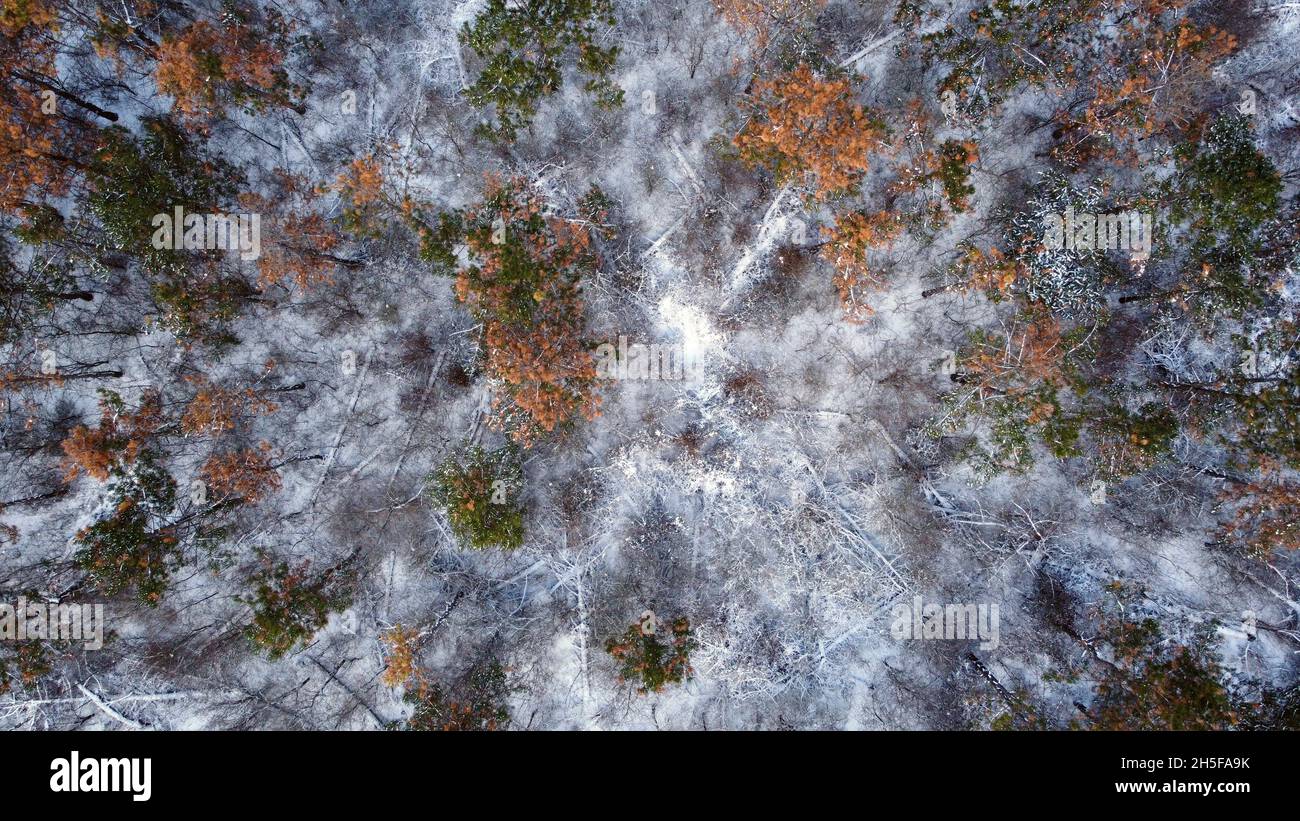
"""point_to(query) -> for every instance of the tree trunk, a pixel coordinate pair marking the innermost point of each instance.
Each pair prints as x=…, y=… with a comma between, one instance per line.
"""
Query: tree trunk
x=67, y=95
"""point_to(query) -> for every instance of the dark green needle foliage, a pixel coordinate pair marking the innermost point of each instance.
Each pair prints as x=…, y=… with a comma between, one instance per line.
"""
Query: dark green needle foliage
x=479, y=491
x=523, y=46
x=650, y=663
x=291, y=604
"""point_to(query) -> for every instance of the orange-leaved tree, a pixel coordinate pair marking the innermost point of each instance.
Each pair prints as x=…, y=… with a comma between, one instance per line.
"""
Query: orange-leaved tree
x=216, y=410
x=810, y=131
x=522, y=280
x=848, y=247
x=1148, y=78
x=760, y=18
x=1012, y=383
x=207, y=68
x=44, y=133
x=245, y=474
x=361, y=184
x=302, y=243
x=1124, y=70
x=1265, y=513
x=989, y=270
x=120, y=438
x=134, y=543
x=474, y=702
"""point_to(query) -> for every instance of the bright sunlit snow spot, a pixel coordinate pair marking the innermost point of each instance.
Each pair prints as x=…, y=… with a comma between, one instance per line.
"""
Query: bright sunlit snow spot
x=688, y=325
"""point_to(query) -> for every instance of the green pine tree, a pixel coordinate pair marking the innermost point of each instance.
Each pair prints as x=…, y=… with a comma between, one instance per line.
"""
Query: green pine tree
x=291, y=605
x=132, y=179
x=650, y=663
x=479, y=491
x=523, y=45
x=476, y=704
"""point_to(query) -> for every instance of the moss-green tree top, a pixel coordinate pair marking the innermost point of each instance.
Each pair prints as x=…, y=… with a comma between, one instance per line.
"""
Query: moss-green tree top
x=523, y=44
x=134, y=546
x=1226, y=187
x=1154, y=685
x=650, y=663
x=133, y=543
x=479, y=491
x=475, y=704
x=132, y=179
x=291, y=604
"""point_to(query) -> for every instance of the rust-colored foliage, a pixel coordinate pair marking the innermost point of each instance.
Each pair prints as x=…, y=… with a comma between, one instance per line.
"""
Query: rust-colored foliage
x=761, y=18
x=474, y=703
x=525, y=290
x=1266, y=514
x=362, y=180
x=931, y=181
x=207, y=68
x=245, y=474
x=1146, y=80
x=215, y=410
x=32, y=140
x=362, y=187
x=811, y=131
x=400, y=646
x=1017, y=364
x=848, y=246
x=1124, y=70
x=991, y=270
x=117, y=442
x=401, y=649
x=300, y=246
